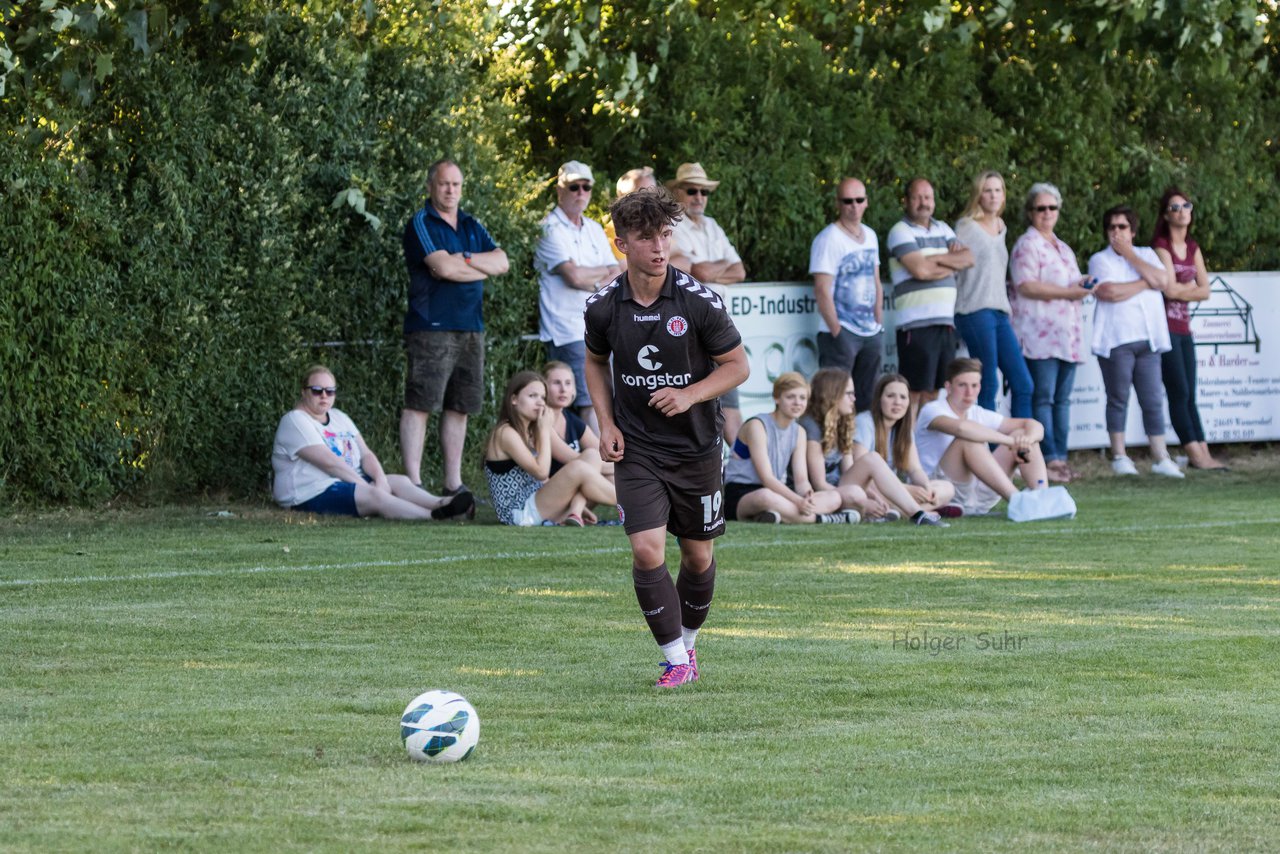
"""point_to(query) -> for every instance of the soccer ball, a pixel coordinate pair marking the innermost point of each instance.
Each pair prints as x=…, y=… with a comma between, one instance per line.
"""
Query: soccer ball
x=439, y=726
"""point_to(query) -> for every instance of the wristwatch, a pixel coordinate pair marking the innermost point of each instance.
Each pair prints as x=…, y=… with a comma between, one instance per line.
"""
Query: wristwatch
x=466, y=256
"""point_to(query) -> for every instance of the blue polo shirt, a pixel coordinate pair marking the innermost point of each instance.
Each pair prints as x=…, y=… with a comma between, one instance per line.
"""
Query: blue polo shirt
x=439, y=305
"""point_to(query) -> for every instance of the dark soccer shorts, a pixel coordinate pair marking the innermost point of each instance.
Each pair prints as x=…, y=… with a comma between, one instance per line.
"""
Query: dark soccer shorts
x=684, y=496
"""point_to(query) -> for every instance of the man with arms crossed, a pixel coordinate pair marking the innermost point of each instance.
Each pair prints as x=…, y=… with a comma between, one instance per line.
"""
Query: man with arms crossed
x=924, y=257
x=702, y=249
x=844, y=261
x=573, y=260
x=675, y=351
x=953, y=438
x=449, y=255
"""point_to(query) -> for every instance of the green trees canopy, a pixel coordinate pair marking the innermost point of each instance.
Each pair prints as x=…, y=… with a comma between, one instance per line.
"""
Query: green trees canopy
x=201, y=198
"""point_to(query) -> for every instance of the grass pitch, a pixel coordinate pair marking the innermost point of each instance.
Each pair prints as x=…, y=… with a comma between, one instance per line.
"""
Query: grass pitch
x=177, y=680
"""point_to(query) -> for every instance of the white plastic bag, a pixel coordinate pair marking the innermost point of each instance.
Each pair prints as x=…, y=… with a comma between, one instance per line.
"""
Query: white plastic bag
x=1031, y=505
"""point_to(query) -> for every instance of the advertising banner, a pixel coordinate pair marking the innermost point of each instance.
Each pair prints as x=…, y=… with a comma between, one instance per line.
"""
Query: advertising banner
x=1238, y=370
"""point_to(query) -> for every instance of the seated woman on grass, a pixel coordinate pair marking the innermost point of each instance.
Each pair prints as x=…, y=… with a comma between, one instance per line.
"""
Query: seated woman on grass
x=517, y=463
x=571, y=437
x=887, y=429
x=865, y=480
x=322, y=464
x=767, y=450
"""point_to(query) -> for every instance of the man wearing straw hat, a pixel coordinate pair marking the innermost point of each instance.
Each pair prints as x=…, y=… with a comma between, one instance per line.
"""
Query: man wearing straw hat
x=701, y=248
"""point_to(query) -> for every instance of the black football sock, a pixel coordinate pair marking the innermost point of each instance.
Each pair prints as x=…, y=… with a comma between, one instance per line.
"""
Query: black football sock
x=695, y=589
x=659, y=602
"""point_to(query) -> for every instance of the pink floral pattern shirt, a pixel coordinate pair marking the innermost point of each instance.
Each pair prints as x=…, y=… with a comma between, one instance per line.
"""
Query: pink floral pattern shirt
x=1047, y=329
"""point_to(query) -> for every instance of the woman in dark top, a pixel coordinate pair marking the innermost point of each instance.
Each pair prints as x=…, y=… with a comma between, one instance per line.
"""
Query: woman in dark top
x=1174, y=244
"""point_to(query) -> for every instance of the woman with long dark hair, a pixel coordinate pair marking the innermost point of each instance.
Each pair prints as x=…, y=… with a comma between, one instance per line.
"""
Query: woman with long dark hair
x=1175, y=246
x=517, y=463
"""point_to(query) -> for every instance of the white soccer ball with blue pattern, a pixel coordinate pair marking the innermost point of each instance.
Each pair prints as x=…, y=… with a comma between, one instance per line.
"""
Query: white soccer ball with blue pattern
x=439, y=726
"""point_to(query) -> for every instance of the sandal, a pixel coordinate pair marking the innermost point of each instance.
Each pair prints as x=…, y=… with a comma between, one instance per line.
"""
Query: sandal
x=573, y=520
x=1059, y=472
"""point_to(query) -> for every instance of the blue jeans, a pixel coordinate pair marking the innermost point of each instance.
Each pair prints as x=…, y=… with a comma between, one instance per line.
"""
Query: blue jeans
x=1054, y=380
x=990, y=338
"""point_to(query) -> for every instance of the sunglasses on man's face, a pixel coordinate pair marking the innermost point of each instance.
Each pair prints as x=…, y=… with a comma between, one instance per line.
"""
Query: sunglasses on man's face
x=578, y=188
x=1045, y=208
x=856, y=200
x=697, y=191
x=317, y=390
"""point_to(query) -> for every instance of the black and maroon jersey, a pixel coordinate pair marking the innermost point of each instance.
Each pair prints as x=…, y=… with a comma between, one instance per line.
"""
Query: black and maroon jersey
x=668, y=343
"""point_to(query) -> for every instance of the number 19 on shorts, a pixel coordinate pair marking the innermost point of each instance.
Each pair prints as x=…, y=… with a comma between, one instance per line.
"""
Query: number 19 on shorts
x=711, y=509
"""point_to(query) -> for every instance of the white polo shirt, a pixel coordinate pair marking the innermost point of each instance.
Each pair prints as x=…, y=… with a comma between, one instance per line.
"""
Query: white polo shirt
x=703, y=241
x=560, y=305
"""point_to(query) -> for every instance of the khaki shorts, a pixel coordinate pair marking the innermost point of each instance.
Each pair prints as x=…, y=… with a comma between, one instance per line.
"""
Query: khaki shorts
x=446, y=371
x=974, y=496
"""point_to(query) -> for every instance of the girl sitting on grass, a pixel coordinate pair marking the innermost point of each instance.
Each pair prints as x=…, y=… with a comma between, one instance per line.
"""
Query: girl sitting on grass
x=861, y=480
x=887, y=429
x=517, y=463
x=571, y=437
x=769, y=447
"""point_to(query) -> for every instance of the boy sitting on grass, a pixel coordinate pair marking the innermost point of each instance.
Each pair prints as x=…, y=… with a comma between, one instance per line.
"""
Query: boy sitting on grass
x=954, y=435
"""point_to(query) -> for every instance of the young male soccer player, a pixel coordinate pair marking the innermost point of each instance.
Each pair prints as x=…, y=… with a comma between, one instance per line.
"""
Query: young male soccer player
x=953, y=434
x=675, y=351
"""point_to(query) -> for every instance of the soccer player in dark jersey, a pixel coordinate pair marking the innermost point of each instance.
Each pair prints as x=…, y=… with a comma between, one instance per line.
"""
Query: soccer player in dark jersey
x=675, y=351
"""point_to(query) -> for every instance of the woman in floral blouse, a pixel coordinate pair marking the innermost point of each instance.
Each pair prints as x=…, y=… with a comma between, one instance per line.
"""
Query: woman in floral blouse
x=1048, y=288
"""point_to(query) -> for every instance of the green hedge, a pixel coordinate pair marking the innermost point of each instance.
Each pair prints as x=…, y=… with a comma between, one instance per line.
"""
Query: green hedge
x=177, y=256
x=198, y=200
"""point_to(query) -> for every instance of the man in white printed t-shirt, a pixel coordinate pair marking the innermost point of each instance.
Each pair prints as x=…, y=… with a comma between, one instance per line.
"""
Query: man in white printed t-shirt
x=573, y=260
x=953, y=434
x=844, y=261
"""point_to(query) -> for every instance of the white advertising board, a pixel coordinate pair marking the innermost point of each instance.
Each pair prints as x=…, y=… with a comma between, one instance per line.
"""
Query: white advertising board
x=1238, y=386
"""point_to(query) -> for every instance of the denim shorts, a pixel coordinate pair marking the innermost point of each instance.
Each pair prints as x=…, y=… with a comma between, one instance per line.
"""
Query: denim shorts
x=338, y=500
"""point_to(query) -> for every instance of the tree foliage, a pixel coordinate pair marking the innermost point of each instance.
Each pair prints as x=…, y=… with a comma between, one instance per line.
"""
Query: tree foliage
x=202, y=196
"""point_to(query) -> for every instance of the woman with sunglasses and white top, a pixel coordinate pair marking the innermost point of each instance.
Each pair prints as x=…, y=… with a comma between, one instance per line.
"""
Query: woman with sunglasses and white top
x=1129, y=334
x=322, y=464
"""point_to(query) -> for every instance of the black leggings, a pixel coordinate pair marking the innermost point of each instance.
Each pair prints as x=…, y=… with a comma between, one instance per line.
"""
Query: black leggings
x=1178, y=367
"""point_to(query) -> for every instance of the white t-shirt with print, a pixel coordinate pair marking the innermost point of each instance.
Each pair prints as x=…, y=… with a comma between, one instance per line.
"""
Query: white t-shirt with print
x=296, y=480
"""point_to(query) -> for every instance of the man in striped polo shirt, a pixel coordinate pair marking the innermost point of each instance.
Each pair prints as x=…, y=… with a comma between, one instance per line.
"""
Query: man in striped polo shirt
x=924, y=256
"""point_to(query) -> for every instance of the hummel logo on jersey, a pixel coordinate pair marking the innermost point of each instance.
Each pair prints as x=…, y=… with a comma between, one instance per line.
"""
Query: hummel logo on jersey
x=646, y=318
x=644, y=360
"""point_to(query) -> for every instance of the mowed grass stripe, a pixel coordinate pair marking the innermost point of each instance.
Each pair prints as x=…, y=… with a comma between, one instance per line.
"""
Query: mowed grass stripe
x=788, y=537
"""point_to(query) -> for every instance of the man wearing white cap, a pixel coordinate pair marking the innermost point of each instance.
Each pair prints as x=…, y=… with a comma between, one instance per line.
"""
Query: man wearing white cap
x=700, y=247
x=573, y=260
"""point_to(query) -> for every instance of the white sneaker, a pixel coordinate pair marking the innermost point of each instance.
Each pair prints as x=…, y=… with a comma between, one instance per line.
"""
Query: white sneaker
x=1168, y=468
x=1125, y=466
